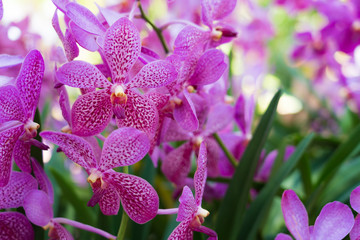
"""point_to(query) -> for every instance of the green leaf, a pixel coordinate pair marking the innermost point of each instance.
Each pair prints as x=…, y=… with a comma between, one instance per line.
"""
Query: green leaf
x=235, y=201
x=83, y=212
x=255, y=214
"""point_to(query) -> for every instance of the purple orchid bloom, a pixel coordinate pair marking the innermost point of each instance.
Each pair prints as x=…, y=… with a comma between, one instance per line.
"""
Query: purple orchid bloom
x=17, y=109
x=14, y=225
x=92, y=112
x=123, y=147
x=355, y=204
x=39, y=211
x=334, y=221
x=190, y=214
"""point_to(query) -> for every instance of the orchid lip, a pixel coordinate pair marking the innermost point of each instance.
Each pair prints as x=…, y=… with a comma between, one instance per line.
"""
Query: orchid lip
x=94, y=176
x=30, y=128
x=118, y=95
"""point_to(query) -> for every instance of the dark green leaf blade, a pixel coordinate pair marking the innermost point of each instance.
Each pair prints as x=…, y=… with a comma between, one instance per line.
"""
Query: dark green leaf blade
x=235, y=200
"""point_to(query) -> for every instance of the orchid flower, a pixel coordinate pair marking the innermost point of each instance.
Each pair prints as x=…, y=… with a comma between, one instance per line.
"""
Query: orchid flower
x=39, y=211
x=14, y=225
x=123, y=147
x=333, y=223
x=92, y=112
x=17, y=109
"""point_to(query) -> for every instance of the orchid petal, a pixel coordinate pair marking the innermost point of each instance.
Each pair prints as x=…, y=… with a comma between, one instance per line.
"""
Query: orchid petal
x=122, y=48
x=139, y=199
x=71, y=49
x=9, y=60
x=43, y=180
x=334, y=222
x=84, y=18
x=74, y=147
x=110, y=201
x=140, y=113
x=81, y=74
x=211, y=233
x=15, y=226
x=282, y=236
x=29, y=81
x=218, y=118
x=187, y=205
x=60, y=232
x=173, y=132
x=159, y=100
x=355, y=199
x=176, y=164
x=295, y=215
x=109, y=15
x=213, y=156
x=244, y=112
x=91, y=113
x=21, y=155
x=185, y=114
x=61, y=4
x=8, y=139
x=355, y=231
x=155, y=74
x=38, y=208
x=12, y=195
x=190, y=39
x=56, y=26
x=11, y=106
x=210, y=67
x=182, y=231
x=200, y=174
x=83, y=38
x=65, y=104
x=124, y=147
x=216, y=10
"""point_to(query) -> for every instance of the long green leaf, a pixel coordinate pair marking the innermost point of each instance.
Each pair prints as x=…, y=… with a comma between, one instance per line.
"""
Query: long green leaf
x=255, y=214
x=233, y=206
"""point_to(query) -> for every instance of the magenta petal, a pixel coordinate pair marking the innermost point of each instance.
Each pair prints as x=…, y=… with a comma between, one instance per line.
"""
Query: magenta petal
x=355, y=199
x=91, y=113
x=334, y=222
x=109, y=15
x=185, y=114
x=56, y=26
x=65, y=104
x=71, y=49
x=189, y=39
x=38, y=208
x=210, y=67
x=140, y=113
x=211, y=233
x=8, y=139
x=110, y=201
x=15, y=226
x=29, y=81
x=200, y=174
x=187, y=205
x=60, y=4
x=244, y=113
x=83, y=38
x=213, y=157
x=282, y=236
x=219, y=117
x=84, y=18
x=9, y=60
x=173, y=132
x=155, y=74
x=139, y=199
x=122, y=48
x=21, y=155
x=295, y=215
x=11, y=106
x=176, y=164
x=182, y=231
x=124, y=146
x=59, y=232
x=355, y=231
x=81, y=74
x=216, y=9
x=74, y=147
x=43, y=180
x=12, y=195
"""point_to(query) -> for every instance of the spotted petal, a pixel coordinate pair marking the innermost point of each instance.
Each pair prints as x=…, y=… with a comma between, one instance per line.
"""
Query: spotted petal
x=140, y=113
x=122, y=48
x=216, y=10
x=11, y=106
x=334, y=222
x=187, y=205
x=190, y=39
x=182, y=231
x=81, y=74
x=210, y=67
x=355, y=231
x=139, y=199
x=22, y=155
x=29, y=81
x=185, y=114
x=83, y=38
x=8, y=139
x=15, y=226
x=71, y=49
x=43, y=180
x=59, y=232
x=74, y=147
x=38, y=208
x=110, y=201
x=12, y=195
x=295, y=215
x=84, y=18
x=91, y=113
x=65, y=104
x=200, y=174
x=218, y=118
x=124, y=146
x=155, y=74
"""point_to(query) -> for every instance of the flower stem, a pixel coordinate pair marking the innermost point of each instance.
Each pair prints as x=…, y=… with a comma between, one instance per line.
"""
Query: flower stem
x=156, y=29
x=226, y=151
x=84, y=227
x=124, y=218
x=167, y=211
